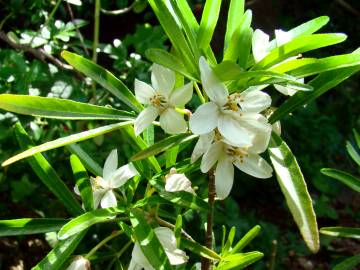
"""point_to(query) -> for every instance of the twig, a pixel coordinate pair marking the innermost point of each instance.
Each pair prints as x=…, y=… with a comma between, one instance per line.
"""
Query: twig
x=273, y=255
x=348, y=7
x=164, y=223
x=5, y=19
x=205, y=263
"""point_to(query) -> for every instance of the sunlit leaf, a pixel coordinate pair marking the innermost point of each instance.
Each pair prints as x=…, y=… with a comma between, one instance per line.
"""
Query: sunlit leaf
x=239, y=260
x=236, y=9
x=202, y=251
x=246, y=239
x=353, y=153
x=341, y=232
x=344, y=177
x=25, y=226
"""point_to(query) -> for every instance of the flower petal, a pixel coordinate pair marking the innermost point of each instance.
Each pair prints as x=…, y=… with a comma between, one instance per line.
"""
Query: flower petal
x=211, y=156
x=204, y=119
x=143, y=92
x=224, y=177
x=108, y=200
x=122, y=175
x=76, y=190
x=138, y=259
x=110, y=165
x=260, y=45
x=254, y=101
x=255, y=165
x=98, y=194
x=282, y=37
x=172, y=122
x=286, y=90
x=260, y=141
x=202, y=145
x=232, y=130
x=178, y=182
x=179, y=97
x=80, y=263
x=145, y=118
x=162, y=79
x=213, y=87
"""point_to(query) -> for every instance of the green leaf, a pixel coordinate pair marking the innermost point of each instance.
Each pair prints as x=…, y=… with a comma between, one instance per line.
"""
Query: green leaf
x=235, y=47
x=349, y=263
x=183, y=198
x=297, y=46
x=25, y=226
x=357, y=137
x=103, y=77
x=163, y=145
x=148, y=241
x=55, y=259
x=86, y=160
x=245, y=43
x=341, y=232
x=178, y=229
x=202, y=251
x=171, y=156
x=208, y=22
x=168, y=60
x=321, y=84
x=59, y=108
x=353, y=153
x=247, y=238
x=229, y=242
x=344, y=177
x=235, y=11
x=65, y=141
x=239, y=261
x=47, y=174
x=294, y=188
x=86, y=220
x=82, y=182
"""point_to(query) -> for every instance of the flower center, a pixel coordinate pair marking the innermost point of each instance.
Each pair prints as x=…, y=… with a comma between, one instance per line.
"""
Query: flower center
x=237, y=153
x=233, y=102
x=158, y=100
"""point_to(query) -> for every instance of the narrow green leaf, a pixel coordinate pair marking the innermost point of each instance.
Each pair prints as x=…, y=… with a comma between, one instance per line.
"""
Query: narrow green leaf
x=321, y=84
x=294, y=188
x=103, y=77
x=234, y=46
x=208, y=22
x=82, y=182
x=341, y=232
x=59, y=108
x=65, y=141
x=353, y=153
x=168, y=60
x=178, y=229
x=235, y=11
x=55, y=259
x=47, y=174
x=202, y=251
x=163, y=145
x=293, y=64
x=25, y=226
x=247, y=238
x=349, y=263
x=245, y=44
x=188, y=14
x=149, y=243
x=171, y=156
x=297, y=46
x=357, y=137
x=86, y=220
x=183, y=198
x=86, y=160
x=344, y=177
x=229, y=242
x=239, y=261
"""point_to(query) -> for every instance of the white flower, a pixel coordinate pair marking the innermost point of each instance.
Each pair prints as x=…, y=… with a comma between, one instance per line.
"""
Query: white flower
x=236, y=116
x=112, y=178
x=261, y=47
x=168, y=241
x=162, y=100
x=245, y=159
x=80, y=263
x=177, y=182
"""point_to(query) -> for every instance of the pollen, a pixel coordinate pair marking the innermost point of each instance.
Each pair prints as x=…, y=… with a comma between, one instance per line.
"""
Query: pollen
x=158, y=100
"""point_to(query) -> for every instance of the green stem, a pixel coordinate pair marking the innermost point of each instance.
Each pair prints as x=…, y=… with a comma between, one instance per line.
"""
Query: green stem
x=103, y=242
x=118, y=255
x=5, y=19
x=96, y=30
x=198, y=91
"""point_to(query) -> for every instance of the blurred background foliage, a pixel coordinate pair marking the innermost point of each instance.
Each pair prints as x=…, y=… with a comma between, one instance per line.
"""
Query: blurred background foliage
x=33, y=33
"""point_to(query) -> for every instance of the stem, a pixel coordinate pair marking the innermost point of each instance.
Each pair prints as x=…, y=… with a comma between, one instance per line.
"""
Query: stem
x=103, y=242
x=273, y=255
x=205, y=263
x=118, y=255
x=96, y=30
x=198, y=91
x=5, y=19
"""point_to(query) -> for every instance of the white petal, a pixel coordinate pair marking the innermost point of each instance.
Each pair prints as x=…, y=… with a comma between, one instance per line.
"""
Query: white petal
x=177, y=257
x=172, y=122
x=204, y=119
x=179, y=97
x=139, y=260
x=286, y=90
x=134, y=266
x=122, y=175
x=143, y=92
x=110, y=165
x=202, y=145
x=255, y=165
x=108, y=200
x=255, y=122
x=261, y=141
x=98, y=194
x=231, y=129
x=276, y=127
x=76, y=190
x=211, y=156
x=178, y=182
x=260, y=45
x=254, y=101
x=80, y=263
x=224, y=177
x=213, y=87
x=162, y=79
x=282, y=37
x=145, y=118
